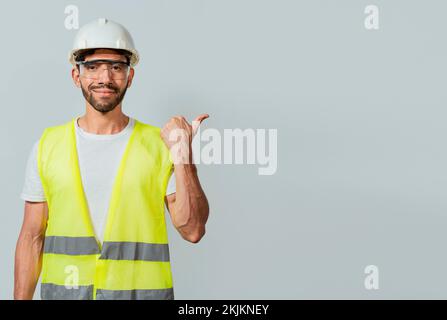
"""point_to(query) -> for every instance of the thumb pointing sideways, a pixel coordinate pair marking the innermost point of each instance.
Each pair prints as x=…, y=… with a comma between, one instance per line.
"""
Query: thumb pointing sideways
x=197, y=121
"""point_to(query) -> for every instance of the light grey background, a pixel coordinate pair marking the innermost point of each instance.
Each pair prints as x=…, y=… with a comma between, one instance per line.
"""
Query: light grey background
x=361, y=119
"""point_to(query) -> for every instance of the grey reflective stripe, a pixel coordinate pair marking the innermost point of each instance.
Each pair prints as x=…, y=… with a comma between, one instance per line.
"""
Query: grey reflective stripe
x=154, y=294
x=135, y=251
x=49, y=291
x=71, y=245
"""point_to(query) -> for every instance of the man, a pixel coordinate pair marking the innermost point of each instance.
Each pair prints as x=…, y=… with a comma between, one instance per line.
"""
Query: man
x=96, y=188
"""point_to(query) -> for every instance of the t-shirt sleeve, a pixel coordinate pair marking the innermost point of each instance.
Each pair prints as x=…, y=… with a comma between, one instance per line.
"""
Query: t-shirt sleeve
x=171, y=184
x=32, y=188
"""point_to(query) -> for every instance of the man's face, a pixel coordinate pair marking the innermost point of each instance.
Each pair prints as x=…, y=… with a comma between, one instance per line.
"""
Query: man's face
x=103, y=93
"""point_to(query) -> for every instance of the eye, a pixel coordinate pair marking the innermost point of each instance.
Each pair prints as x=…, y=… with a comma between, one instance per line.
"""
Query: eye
x=117, y=67
x=90, y=67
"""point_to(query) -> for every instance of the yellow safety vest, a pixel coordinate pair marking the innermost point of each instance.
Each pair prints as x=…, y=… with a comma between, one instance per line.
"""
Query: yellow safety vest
x=133, y=260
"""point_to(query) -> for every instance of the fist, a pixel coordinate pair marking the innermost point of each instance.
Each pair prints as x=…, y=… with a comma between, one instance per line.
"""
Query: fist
x=177, y=134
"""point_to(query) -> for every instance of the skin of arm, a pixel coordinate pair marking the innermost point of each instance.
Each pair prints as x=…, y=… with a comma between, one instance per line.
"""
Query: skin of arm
x=29, y=250
x=188, y=206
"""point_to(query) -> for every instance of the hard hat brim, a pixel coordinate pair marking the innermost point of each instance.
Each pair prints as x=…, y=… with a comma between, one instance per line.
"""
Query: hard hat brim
x=134, y=56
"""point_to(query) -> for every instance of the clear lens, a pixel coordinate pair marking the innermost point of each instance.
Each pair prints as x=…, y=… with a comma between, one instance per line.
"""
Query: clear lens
x=93, y=69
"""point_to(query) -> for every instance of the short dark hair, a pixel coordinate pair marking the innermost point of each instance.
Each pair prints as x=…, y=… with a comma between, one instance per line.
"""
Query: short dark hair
x=81, y=54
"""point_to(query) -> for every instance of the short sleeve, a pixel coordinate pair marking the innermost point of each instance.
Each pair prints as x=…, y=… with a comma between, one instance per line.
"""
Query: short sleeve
x=32, y=187
x=171, y=184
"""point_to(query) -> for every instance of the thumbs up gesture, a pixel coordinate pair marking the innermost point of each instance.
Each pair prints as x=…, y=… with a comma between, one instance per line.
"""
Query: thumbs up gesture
x=177, y=134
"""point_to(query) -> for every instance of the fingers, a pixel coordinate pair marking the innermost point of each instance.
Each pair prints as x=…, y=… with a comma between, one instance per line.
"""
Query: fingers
x=202, y=117
x=176, y=122
x=197, y=121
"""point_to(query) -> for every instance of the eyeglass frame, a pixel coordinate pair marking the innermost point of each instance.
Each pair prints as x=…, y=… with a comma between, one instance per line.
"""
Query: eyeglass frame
x=83, y=63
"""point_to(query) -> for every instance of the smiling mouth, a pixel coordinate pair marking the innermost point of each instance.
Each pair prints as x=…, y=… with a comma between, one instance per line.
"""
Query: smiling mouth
x=103, y=92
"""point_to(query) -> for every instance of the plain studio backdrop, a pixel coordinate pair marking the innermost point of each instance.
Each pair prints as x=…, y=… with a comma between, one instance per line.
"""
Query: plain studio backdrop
x=361, y=122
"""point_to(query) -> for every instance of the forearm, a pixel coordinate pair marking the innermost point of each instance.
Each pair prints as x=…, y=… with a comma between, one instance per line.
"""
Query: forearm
x=191, y=205
x=28, y=264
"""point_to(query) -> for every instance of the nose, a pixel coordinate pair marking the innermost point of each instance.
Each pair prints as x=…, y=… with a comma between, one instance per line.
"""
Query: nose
x=104, y=76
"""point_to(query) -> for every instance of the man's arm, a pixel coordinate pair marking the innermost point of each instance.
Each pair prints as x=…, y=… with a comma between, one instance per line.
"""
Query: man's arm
x=188, y=206
x=29, y=250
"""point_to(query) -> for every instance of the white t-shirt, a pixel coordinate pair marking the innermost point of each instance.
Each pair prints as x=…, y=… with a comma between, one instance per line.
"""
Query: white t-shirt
x=99, y=158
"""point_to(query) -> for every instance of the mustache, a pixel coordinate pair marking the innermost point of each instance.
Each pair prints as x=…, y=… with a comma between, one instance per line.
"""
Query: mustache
x=105, y=86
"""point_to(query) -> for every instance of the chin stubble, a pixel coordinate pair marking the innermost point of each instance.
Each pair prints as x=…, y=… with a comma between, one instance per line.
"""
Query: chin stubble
x=103, y=107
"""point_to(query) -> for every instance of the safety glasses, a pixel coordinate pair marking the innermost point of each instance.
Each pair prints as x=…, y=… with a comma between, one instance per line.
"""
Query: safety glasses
x=92, y=69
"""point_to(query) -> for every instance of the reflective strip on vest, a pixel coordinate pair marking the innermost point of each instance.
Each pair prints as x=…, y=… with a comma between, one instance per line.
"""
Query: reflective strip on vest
x=135, y=251
x=71, y=245
x=153, y=294
x=49, y=291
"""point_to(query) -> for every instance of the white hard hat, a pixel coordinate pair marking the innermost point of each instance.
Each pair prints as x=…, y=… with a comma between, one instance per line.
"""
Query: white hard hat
x=104, y=33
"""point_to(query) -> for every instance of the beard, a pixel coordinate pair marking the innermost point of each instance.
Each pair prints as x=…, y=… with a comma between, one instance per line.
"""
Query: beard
x=99, y=104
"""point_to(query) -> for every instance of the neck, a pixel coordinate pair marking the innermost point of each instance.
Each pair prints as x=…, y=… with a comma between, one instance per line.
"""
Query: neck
x=103, y=123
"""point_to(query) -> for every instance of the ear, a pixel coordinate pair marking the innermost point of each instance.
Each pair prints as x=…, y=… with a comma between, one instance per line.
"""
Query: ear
x=75, y=77
x=130, y=78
